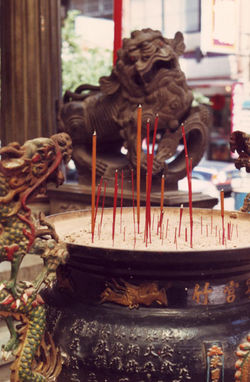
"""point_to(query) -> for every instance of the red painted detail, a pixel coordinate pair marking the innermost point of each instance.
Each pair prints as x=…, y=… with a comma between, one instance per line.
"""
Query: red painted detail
x=37, y=301
x=118, y=28
x=30, y=235
x=23, y=300
x=8, y=300
x=13, y=305
x=36, y=158
x=10, y=251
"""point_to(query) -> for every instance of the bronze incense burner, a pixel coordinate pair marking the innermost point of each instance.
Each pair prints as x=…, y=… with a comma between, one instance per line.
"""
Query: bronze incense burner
x=146, y=315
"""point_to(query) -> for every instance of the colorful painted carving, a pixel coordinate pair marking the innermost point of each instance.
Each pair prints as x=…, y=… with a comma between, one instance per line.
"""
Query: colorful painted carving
x=215, y=364
x=24, y=171
x=134, y=295
x=243, y=363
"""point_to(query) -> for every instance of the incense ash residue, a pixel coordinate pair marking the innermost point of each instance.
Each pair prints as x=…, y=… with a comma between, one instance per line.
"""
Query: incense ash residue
x=166, y=232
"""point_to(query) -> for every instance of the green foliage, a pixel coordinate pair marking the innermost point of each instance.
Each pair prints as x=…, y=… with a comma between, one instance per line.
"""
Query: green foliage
x=199, y=98
x=81, y=66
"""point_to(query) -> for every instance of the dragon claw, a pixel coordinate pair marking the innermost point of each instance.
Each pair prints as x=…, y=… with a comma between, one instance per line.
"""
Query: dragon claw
x=5, y=355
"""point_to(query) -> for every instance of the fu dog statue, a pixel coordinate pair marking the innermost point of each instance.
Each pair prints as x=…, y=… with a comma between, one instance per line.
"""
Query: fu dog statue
x=147, y=72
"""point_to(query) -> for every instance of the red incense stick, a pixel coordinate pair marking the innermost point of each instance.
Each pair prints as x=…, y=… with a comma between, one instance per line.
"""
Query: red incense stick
x=93, y=185
x=103, y=201
x=222, y=215
x=228, y=231
x=175, y=237
x=114, y=207
x=138, y=174
x=121, y=202
x=98, y=196
x=190, y=203
x=162, y=199
x=154, y=136
x=147, y=185
x=133, y=197
x=232, y=230
x=211, y=221
x=188, y=166
x=150, y=171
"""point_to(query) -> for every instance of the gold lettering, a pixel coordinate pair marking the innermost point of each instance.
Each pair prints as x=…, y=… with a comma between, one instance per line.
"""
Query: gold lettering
x=229, y=290
x=202, y=293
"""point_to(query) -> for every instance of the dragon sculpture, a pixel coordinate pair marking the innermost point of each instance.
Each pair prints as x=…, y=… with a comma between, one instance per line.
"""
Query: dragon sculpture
x=24, y=172
x=240, y=142
x=134, y=295
x=147, y=72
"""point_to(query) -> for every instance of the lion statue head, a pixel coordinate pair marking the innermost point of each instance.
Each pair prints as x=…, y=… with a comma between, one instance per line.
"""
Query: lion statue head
x=147, y=71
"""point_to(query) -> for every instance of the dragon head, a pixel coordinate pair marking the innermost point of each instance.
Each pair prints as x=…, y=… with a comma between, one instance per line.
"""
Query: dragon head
x=29, y=167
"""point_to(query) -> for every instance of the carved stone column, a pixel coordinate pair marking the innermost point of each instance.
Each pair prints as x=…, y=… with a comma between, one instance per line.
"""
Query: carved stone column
x=31, y=68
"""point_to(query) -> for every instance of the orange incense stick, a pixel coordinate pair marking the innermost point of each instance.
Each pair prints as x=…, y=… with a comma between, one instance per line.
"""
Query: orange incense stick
x=139, y=117
x=93, y=184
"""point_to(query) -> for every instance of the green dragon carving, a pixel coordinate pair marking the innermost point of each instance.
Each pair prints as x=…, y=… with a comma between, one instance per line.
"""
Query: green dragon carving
x=24, y=172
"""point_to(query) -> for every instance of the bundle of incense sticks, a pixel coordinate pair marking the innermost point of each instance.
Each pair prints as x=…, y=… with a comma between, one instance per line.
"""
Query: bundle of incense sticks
x=150, y=161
